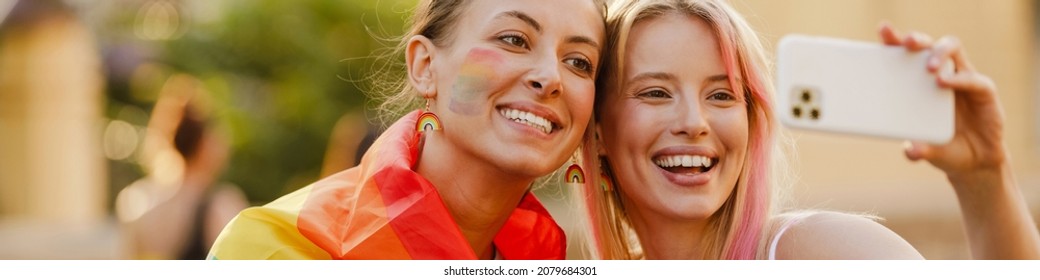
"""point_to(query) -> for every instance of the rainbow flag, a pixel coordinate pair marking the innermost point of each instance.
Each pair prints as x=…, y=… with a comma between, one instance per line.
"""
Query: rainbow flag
x=380, y=209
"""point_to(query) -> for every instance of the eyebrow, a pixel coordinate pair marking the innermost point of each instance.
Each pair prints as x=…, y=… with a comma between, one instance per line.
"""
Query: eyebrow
x=538, y=27
x=583, y=40
x=670, y=77
x=717, y=78
x=653, y=76
x=524, y=17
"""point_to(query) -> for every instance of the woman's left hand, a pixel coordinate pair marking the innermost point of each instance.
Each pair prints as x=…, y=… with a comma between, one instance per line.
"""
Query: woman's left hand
x=996, y=216
x=978, y=141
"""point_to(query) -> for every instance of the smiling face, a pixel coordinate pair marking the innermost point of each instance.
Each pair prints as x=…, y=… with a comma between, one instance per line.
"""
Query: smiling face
x=515, y=83
x=675, y=131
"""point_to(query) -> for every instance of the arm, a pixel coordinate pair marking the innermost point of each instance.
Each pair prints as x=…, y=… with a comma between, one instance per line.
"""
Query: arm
x=996, y=216
x=975, y=161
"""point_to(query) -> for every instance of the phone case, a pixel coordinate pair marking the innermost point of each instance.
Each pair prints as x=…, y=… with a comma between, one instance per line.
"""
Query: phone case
x=844, y=86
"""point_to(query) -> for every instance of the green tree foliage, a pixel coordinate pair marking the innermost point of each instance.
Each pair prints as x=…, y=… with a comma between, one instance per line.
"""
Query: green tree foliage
x=281, y=74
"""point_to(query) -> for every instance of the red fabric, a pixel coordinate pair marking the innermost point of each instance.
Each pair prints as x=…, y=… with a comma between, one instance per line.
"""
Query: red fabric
x=383, y=209
x=531, y=234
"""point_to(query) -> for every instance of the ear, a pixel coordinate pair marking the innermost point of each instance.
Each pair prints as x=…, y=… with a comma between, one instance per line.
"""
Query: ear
x=419, y=60
x=600, y=150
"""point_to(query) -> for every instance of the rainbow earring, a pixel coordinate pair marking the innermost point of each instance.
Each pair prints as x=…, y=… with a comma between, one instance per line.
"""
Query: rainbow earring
x=604, y=180
x=428, y=120
x=574, y=174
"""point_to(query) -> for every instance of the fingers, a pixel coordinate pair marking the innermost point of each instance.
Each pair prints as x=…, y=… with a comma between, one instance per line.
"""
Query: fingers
x=964, y=79
x=934, y=154
x=917, y=41
x=949, y=47
x=976, y=86
x=889, y=36
x=945, y=47
x=917, y=151
x=914, y=41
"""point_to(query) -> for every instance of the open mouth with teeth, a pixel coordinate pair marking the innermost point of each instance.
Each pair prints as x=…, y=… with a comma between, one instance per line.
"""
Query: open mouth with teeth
x=685, y=164
x=529, y=119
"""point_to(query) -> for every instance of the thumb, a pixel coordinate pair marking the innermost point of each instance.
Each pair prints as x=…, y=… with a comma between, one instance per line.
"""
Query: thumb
x=917, y=150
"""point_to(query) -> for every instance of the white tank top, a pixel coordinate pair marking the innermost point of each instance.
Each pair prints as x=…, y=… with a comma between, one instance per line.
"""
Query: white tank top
x=790, y=221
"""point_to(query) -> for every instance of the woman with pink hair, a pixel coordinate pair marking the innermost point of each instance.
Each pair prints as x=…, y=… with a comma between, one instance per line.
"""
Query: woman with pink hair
x=686, y=143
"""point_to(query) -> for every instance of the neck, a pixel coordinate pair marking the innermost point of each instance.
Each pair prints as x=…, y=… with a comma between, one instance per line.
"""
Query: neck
x=668, y=238
x=479, y=196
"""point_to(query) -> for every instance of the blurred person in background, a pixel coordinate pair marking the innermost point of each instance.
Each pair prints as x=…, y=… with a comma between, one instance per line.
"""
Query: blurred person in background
x=351, y=137
x=179, y=208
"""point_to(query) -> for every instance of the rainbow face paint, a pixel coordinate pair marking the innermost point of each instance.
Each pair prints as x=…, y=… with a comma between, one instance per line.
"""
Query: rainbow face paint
x=478, y=72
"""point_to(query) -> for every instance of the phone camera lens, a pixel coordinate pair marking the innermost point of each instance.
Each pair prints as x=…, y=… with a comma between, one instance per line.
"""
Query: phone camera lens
x=797, y=111
x=815, y=114
x=806, y=96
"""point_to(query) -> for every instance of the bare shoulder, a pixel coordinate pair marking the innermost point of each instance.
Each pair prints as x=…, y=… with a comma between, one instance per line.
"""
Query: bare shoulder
x=833, y=235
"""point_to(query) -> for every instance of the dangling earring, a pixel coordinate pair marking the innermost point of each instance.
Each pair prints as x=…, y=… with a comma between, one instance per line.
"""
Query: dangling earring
x=574, y=174
x=606, y=182
x=427, y=120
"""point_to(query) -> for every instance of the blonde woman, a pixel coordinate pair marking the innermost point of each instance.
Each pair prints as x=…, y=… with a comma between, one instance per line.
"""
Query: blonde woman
x=508, y=89
x=686, y=138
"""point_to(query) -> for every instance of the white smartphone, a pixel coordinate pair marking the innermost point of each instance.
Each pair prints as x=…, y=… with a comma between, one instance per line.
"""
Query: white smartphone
x=838, y=85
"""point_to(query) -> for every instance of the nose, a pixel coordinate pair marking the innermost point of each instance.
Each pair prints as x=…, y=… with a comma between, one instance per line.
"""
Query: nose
x=690, y=120
x=544, y=77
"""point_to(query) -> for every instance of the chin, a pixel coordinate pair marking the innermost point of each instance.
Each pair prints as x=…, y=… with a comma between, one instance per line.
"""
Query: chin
x=695, y=213
x=542, y=168
x=538, y=158
x=533, y=166
x=691, y=208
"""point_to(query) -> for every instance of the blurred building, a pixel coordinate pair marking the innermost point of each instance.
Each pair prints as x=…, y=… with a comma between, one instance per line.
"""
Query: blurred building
x=52, y=172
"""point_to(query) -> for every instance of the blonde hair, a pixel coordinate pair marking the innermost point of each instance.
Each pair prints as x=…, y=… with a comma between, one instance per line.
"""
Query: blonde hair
x=737, y=229
x=433, y=19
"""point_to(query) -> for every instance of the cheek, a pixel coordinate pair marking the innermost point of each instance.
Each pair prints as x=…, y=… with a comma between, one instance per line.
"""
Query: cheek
x=609, y=123
x=580, y=102
x=733, y=129
x=477, y=76
x=632, y=130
